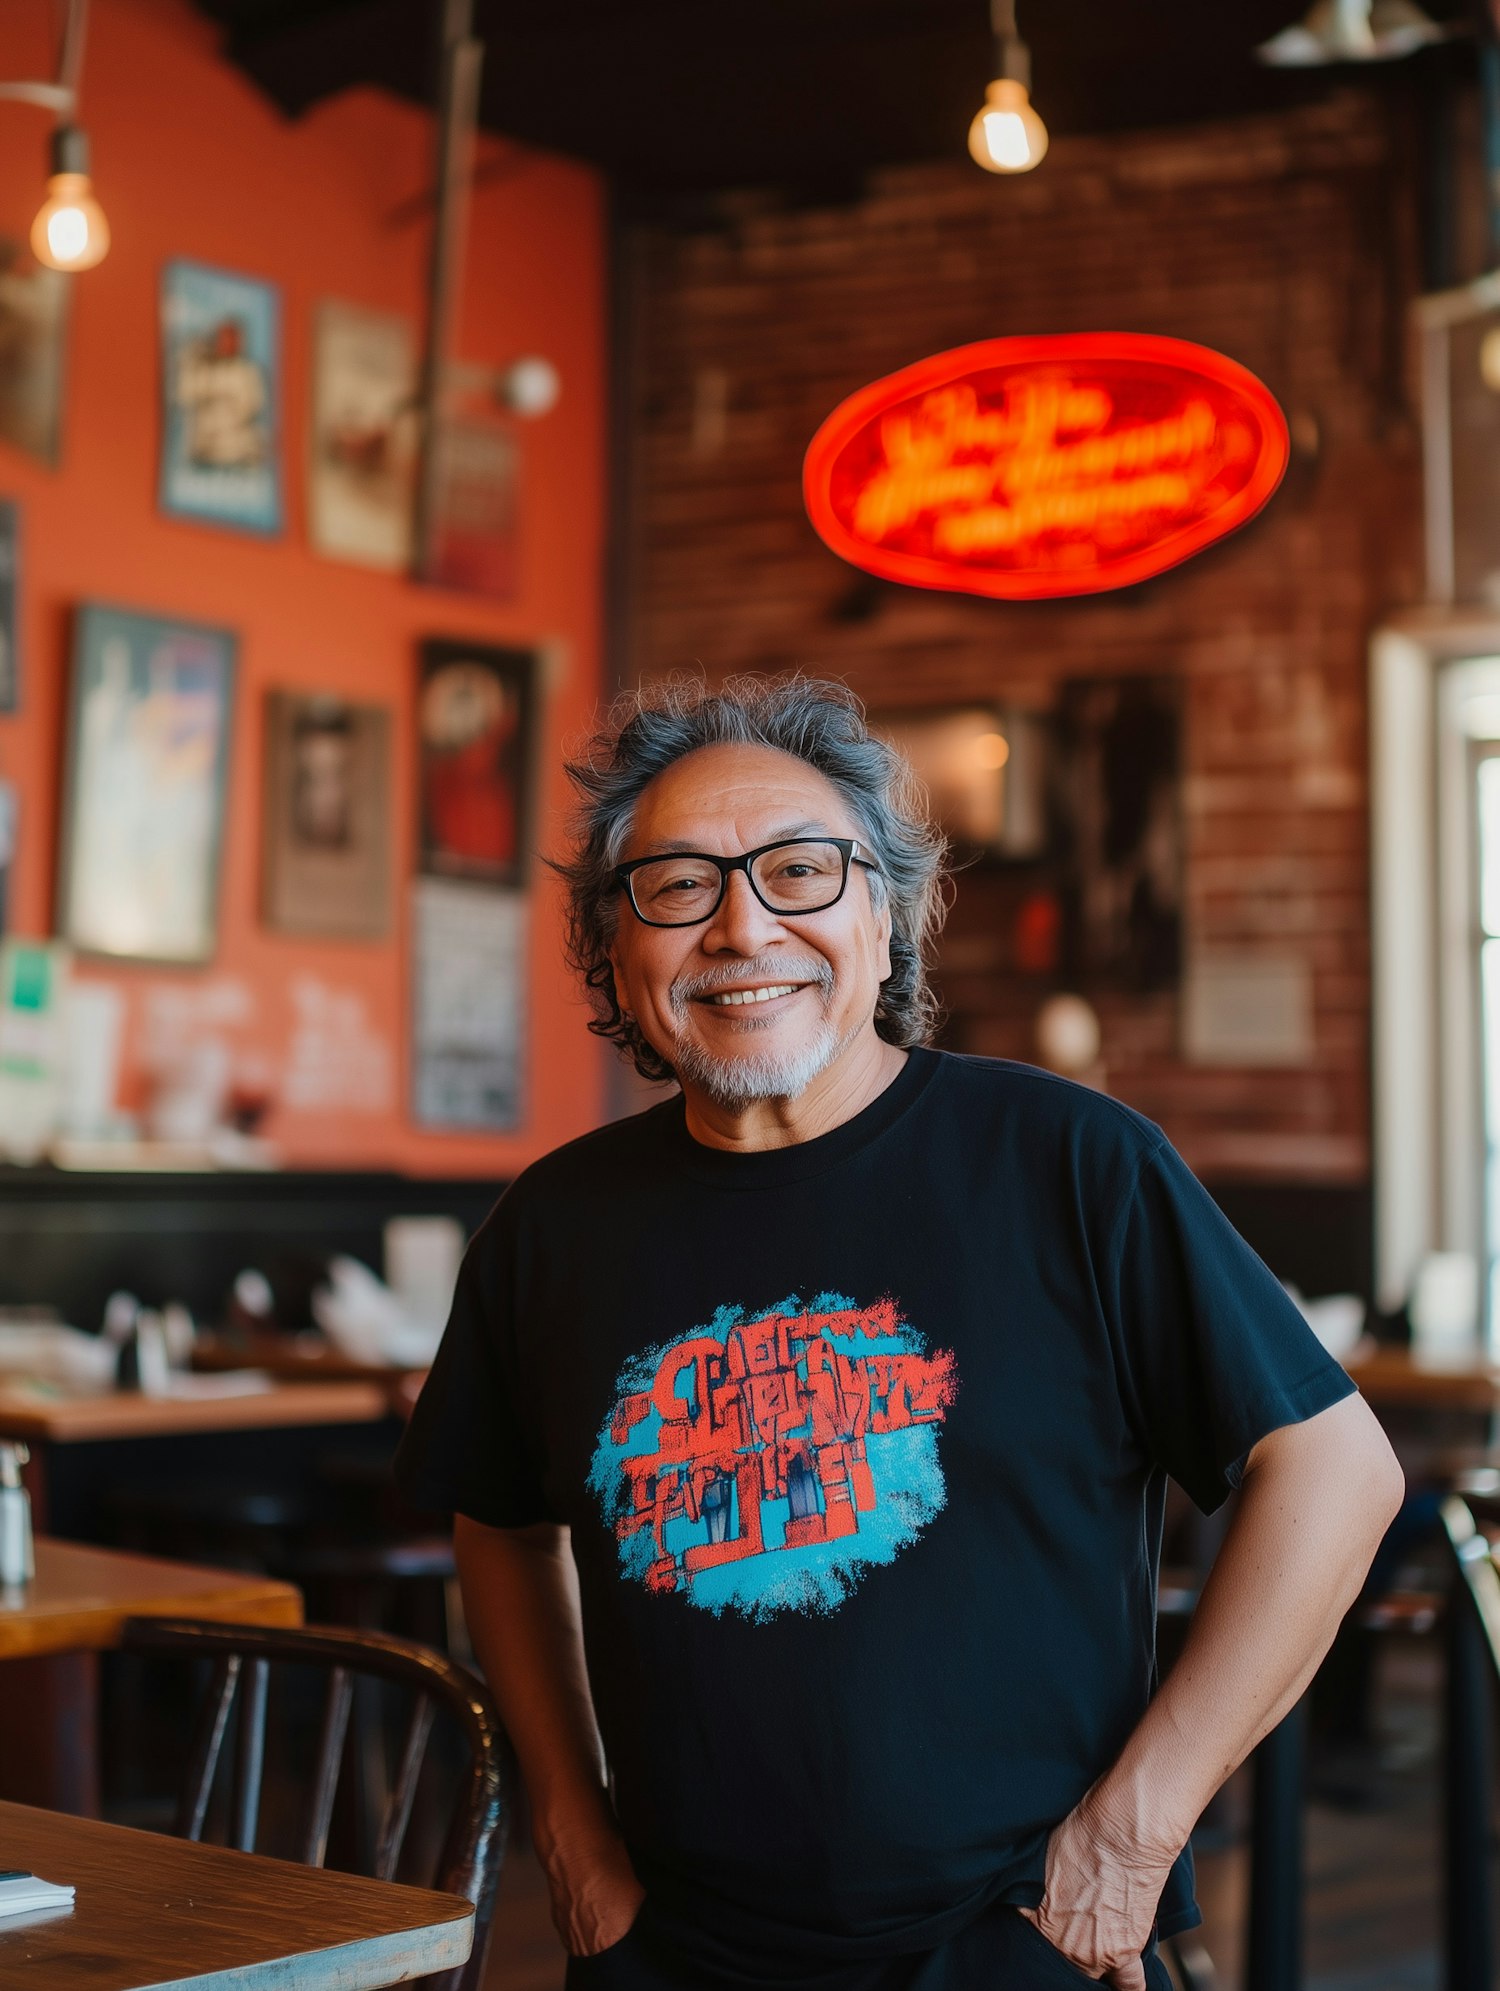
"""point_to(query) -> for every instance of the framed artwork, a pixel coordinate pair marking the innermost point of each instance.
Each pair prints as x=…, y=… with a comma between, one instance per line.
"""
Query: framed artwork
x=468, y=1005
x=33, y=332
x=366, y=432
x=10, y=582
x=476, y=725
x=985, y=770
x=1118, y=831
x=9, y=814
x=326, y=817
x=143, y=790
x=472, y=540
x=221, y=388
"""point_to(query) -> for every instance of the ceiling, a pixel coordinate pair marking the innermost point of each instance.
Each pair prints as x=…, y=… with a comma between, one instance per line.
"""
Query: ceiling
x=686, y=95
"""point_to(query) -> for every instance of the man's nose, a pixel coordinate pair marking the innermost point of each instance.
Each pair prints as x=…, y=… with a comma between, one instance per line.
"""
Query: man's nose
x=742, y=925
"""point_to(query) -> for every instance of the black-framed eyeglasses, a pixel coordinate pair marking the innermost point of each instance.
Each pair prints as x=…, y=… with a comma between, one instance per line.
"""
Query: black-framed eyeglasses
x=798, y=875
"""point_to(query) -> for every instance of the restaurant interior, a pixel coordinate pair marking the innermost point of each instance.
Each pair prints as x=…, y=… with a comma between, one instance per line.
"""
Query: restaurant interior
x=384, y=386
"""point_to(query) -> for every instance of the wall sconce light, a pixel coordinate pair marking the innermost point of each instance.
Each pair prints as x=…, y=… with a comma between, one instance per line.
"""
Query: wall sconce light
x=529, y=386
x=1006, y=135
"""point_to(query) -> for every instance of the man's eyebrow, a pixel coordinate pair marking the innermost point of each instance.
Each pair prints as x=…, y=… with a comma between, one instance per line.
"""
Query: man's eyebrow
x=676, y=847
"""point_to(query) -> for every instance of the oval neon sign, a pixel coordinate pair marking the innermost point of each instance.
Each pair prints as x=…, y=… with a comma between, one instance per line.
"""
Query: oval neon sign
x=1024, y=468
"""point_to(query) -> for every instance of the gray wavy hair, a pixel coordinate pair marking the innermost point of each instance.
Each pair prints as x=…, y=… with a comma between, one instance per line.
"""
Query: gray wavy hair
x=822, y=723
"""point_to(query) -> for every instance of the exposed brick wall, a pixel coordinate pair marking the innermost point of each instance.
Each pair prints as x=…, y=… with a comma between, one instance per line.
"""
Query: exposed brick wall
x=1283, y=241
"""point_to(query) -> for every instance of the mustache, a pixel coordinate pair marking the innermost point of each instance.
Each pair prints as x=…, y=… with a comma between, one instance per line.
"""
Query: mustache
x=735, y=974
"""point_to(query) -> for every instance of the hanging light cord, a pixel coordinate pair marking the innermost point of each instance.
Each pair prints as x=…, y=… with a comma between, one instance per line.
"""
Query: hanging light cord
x=1012, y=56
x=60, y=96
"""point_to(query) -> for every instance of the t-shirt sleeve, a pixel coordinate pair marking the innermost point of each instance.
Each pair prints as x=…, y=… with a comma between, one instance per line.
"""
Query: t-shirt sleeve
x=471, y=1445
x=1214, y=1354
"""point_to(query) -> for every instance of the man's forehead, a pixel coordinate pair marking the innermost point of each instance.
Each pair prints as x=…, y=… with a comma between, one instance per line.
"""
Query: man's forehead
x=728, y=793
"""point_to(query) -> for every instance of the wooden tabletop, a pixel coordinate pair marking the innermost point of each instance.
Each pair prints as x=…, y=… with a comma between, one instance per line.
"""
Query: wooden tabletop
x=1416, y=1379
x=309, y=1356
x=152, y=1913
x=36, y=1411
x=82, y=1596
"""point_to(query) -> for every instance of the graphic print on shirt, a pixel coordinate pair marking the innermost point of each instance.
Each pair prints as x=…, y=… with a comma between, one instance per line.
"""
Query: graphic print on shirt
x=763, y=1462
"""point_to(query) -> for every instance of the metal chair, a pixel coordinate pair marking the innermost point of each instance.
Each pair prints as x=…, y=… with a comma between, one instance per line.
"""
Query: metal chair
x=241, y=1658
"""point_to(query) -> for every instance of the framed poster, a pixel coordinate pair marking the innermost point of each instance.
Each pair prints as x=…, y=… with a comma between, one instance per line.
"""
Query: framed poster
x=326, y=817
x=221, y=365
x=1117, y=828
x=476, y=724
x=472, y=540
x=143, y=788
x=33, y=330
x=10, y=582
x=366, y=431
x=468, y=1004
x=9, y=815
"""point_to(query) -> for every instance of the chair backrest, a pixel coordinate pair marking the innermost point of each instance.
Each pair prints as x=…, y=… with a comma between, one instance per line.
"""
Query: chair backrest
x=241, y=1658
x=1472, y=1553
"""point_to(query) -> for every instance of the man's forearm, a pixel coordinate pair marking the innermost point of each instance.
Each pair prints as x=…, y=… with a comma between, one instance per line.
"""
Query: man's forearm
x=520, y=1592
x=521, y=1605
x=1316, y=1500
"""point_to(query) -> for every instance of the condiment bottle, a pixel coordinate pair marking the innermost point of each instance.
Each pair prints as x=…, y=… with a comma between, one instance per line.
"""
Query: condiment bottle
x=17, y=1558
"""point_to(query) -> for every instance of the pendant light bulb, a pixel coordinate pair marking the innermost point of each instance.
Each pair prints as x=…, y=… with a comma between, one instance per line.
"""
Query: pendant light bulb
x=70, y=231
x=1007, y=136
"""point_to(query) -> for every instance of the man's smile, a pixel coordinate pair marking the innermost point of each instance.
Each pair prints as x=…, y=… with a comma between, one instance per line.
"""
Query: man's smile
x=734, y=998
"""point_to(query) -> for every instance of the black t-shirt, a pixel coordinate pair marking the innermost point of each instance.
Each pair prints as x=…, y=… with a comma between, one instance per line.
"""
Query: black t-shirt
x=862, y=1444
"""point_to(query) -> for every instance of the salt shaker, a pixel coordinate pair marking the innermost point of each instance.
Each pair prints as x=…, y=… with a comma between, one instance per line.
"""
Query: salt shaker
x=17, y=1560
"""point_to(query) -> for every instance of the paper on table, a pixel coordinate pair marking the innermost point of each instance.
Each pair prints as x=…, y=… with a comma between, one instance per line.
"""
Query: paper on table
x=233, y=1382
x=23, y=1893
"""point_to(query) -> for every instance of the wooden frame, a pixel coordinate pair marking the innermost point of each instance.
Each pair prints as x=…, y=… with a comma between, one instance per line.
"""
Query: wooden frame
x=326, y=842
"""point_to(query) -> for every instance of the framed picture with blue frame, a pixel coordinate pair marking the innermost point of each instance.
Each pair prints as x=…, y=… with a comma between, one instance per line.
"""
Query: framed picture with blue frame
x=221, y=398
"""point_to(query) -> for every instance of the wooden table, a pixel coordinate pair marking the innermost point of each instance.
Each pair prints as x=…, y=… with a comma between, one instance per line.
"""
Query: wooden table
x=52, y=1632
x=308, y=1356
x=153, y=1912
x=86, y=1445
x=82, y=1596
x=39, y=1413
x=1416, y=1379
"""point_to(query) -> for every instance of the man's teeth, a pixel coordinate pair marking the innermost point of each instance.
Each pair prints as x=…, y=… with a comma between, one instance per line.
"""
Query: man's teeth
x=731, y=996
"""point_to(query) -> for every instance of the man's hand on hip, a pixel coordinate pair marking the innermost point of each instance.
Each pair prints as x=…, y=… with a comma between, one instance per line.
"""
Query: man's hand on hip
x=595, y=1893
x=1103, y=1887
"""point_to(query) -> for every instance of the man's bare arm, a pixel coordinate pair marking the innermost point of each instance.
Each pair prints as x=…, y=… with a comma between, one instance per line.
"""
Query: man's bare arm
x=520, y=1591
x=1316, y=1500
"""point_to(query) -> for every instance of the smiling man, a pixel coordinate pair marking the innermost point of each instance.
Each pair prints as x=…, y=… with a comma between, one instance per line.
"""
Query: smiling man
x=807, y=1434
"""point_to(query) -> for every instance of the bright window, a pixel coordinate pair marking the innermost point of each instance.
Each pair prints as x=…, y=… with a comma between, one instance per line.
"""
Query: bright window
x=1487, y=804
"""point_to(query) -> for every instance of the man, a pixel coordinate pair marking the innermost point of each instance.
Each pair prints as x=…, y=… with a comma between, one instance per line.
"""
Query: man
x=827, y=1407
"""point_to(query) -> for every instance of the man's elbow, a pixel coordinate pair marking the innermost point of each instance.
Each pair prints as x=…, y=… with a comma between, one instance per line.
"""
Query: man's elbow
x=1391, y=1490
x=1369, y=1464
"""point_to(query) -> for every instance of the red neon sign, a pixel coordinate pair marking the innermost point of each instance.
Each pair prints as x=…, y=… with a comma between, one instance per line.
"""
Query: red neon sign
x=1048, y=466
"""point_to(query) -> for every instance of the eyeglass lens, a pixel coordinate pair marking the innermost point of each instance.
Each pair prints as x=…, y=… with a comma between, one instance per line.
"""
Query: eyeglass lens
x=790, y=878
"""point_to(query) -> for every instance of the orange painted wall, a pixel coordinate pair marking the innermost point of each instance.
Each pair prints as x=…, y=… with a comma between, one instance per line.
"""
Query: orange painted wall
x=190, y=160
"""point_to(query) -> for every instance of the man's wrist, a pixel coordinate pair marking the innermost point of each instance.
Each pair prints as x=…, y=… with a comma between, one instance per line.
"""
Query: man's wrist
x=1139, y=1815
x=574, y=1827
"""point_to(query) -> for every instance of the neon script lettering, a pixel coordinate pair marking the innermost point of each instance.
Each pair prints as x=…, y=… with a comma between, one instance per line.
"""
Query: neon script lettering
x=1029, y=467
